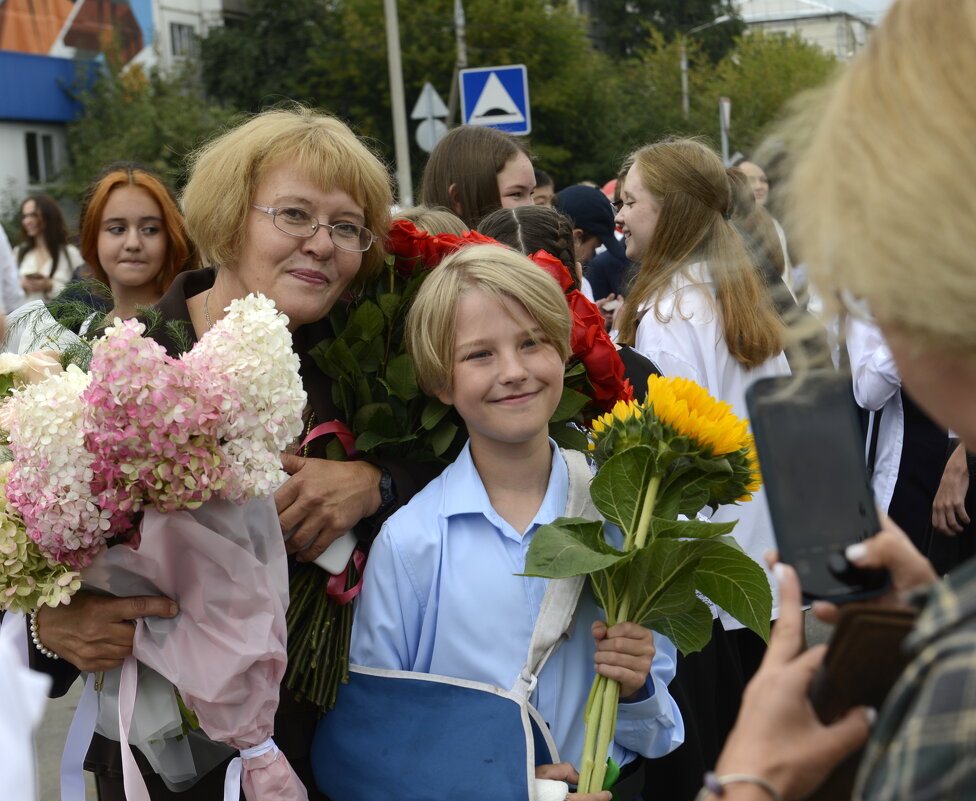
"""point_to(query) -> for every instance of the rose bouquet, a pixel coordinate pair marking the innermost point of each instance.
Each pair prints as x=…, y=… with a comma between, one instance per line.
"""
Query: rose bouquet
x=385, y=414
x=173, y=462
x=659, y=463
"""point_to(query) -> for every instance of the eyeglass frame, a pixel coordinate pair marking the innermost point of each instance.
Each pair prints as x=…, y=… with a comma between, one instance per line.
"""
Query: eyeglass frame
x=273, y=211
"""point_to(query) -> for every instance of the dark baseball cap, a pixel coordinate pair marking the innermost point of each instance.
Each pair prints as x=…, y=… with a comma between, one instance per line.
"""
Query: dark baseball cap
x=591, y=211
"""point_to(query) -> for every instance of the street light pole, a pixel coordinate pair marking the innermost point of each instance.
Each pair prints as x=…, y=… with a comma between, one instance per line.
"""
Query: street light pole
x=398, y=104
x=685, y=103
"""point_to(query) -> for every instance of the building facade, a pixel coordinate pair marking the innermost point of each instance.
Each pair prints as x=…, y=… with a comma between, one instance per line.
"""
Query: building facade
x=47, y=47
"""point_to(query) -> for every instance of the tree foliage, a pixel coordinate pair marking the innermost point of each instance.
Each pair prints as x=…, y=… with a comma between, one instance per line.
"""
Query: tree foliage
x=590, y=107
x=138, y=115
x=620, y=26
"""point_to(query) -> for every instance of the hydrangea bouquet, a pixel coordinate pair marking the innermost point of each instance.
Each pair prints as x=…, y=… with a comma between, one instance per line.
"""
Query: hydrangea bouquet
x=659, y=463
x=172, y=461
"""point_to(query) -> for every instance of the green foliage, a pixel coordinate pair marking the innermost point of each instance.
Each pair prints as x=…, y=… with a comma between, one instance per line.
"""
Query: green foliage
x=619, y=25
x=262, y=59
x=138, y=115
x=764, y=74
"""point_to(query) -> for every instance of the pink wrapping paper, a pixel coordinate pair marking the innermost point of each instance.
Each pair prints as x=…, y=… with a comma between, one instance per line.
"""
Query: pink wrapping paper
x=225, y=566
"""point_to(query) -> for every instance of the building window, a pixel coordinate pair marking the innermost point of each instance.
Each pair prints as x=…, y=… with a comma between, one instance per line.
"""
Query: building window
x=183, y=39
x=40, y=158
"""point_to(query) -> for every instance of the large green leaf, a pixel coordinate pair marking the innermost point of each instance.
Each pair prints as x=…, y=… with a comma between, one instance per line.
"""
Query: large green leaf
x=402, y=378
x=619, y=487
x=376, y=418
x=736, y=583
x=660, y=578
x=569, y=547
x=338, y=361
x=689, y=529
x=690, y=631
x=389, y=304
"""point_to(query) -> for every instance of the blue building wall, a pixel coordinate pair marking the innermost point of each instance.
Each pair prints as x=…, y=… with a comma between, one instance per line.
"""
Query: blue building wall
x=35, y=88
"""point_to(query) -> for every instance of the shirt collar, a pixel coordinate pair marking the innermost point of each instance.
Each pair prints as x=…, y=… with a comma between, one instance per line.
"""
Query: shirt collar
x=464, y=492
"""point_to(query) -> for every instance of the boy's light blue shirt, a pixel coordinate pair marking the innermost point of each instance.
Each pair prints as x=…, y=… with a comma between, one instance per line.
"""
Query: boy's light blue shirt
x=440, y=596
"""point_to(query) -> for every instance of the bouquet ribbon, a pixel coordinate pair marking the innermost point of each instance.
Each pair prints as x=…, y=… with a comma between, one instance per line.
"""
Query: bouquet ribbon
x=336, y=586
x=342, y=432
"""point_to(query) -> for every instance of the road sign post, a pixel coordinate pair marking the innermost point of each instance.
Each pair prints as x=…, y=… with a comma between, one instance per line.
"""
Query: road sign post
x=428, y=109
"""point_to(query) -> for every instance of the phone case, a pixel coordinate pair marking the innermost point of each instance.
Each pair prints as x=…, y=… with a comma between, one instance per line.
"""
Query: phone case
x=863, y=661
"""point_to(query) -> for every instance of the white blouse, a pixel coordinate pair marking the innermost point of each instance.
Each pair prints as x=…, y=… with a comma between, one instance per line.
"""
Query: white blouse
x=684, y=337
x=69, y=259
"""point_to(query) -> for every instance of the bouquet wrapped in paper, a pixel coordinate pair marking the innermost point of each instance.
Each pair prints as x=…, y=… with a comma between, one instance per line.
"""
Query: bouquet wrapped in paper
x=172, y=462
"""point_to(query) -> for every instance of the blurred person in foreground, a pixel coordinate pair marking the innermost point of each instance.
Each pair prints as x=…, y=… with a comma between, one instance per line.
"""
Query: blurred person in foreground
x=890, y=225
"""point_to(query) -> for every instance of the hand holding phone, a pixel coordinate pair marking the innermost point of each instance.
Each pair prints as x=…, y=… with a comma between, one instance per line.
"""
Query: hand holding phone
x=811, y=452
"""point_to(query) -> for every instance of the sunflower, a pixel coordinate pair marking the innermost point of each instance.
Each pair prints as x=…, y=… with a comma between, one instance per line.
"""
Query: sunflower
x=692, y=412
x=618, y=429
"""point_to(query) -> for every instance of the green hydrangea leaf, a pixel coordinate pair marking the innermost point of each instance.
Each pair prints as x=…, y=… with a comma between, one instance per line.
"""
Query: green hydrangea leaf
x=618, y=488
x=570, y=547
x=736, y=583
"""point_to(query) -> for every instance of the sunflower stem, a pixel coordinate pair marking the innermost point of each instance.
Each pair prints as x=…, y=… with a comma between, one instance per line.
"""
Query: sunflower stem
x=638, y=537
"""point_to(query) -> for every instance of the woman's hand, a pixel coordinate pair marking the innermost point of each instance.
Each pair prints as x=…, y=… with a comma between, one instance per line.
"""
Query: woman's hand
x=323, y=500
x=891, y=549
x=778, y=736
x=564, y=772
x=624, y=653
x=949, y=507
x=36, y=283
x=94, y=632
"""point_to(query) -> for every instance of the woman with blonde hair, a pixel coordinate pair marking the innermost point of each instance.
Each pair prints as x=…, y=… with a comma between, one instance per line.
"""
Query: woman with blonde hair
x=698, y=309
x=291, y=204
x=889, y=227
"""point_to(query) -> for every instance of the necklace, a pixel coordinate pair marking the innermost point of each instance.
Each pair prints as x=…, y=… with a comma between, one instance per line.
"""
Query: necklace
x=206, y=309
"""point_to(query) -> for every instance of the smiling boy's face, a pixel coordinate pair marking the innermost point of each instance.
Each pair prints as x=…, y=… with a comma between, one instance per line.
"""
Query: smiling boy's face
x=507, y=378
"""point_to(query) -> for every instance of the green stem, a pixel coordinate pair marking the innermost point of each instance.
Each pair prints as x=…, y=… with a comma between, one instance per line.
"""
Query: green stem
x=594, y=706
x=638, y=537
x=606, y=725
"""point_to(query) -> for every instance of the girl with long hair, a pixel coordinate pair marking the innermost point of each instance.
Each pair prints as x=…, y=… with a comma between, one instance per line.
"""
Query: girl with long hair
x=45, y=259
x=474, y=170
x=698, y=309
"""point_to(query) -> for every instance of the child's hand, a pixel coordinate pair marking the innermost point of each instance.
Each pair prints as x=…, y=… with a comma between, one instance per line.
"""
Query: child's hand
x=564, y=772
x=624, y=653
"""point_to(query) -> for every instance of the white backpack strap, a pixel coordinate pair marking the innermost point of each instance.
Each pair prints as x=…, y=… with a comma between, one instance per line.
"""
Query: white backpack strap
x=556, y=615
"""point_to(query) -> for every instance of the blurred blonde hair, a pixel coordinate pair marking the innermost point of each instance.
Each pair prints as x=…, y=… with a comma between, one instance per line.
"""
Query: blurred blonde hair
x=433, y=220
x=498, y=272
x=883, y=197
x=225, y=172
x=688, y=179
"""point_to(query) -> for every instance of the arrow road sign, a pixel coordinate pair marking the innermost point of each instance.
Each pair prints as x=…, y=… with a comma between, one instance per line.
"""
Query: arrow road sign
x=429, y=104
x=497, y=97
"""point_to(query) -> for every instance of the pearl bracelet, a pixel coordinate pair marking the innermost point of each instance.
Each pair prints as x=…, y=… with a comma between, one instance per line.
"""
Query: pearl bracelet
x=716, y=785
x=36, y=638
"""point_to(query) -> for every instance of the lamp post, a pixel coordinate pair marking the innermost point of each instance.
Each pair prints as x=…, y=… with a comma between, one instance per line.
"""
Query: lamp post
x=685, y=106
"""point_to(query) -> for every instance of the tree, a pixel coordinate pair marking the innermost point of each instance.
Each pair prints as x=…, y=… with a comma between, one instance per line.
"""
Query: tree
x=260, y=60
x=139, y=115
x=620, y=27
x=763, y=73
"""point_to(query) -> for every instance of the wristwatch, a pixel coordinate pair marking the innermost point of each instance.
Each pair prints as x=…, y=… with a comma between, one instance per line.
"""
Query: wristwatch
x=388, y=496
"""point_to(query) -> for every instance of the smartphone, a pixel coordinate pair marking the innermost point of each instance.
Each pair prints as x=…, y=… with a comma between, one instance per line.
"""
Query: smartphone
x=811, y=451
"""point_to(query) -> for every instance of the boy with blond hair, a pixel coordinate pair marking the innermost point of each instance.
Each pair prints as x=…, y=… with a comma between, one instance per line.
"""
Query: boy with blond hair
x=489, y=334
